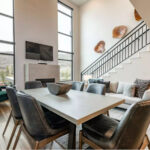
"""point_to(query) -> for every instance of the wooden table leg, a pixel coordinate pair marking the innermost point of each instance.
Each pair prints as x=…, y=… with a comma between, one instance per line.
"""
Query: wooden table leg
x=72, y=136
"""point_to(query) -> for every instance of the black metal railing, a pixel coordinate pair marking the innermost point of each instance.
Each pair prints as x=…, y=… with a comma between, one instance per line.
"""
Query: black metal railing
x=132, y=43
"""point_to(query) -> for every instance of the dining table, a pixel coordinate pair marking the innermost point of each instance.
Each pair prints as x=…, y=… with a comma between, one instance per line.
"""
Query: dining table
x=77, y=107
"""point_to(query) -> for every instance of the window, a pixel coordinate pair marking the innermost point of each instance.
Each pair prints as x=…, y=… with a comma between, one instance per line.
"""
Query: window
x=6, y=42
x=65, y=42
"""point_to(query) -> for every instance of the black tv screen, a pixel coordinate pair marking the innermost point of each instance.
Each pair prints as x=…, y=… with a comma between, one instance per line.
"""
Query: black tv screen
x=39, y=51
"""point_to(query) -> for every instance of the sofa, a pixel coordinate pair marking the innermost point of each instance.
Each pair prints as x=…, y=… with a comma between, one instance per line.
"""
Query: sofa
x=130, y=92
x=128, y=100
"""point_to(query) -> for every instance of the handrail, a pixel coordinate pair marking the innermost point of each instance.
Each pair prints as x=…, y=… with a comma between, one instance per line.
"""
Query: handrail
x=131, y=38
x=114, y=45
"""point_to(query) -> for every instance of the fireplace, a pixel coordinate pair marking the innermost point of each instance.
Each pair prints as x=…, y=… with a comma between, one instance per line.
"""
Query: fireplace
x=44, y=81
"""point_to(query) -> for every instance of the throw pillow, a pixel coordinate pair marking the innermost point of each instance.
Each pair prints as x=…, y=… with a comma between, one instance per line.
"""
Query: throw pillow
x=107, y=84
x=129, y=90
x=146, y=95
x=120, y=88
x=141, y=87
x=113, y=87
x=95, y=80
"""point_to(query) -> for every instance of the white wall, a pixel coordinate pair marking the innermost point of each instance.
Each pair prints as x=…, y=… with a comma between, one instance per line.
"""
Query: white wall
x=97, y=20
x=36, y=20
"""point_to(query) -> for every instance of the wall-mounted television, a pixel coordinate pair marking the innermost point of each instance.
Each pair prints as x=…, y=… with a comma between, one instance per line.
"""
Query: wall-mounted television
x=39, y=51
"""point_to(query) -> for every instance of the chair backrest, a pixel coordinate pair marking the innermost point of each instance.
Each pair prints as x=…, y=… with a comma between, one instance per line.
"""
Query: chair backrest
x=33, y=84
x=133, y=126
x=96, y=88
x=79, y=86
x=33, y=117
x=11, y=92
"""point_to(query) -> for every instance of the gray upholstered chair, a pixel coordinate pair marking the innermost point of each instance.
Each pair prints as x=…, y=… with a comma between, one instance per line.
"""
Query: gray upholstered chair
x=15, y=112
x=48, y=114
x=79, y=86
x=39, y=129
x=103, y=132
x=96, y=88
x=33, y=85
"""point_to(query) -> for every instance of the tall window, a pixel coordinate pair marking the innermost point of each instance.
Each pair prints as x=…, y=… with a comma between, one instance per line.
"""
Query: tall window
x=65, y=41
x=6, y=42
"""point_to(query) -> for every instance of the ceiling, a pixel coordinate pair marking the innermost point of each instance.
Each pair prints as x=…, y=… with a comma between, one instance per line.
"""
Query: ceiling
x=78, y=2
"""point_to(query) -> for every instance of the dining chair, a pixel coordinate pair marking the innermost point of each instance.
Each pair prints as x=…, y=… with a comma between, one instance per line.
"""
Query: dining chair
x=15, y=112
x=79, y=86
x=47, y=113
x=103, y=132
x=39, y=130
x=33, y=85
x=96, y=88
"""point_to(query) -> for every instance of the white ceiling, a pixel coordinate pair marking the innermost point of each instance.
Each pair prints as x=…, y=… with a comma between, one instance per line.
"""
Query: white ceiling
x=78, y=2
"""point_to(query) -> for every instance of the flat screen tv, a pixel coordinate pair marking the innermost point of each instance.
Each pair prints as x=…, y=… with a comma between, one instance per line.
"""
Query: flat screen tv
x=39, y=51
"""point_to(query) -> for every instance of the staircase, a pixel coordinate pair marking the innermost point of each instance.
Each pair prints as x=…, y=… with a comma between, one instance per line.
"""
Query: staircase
x=134, y=42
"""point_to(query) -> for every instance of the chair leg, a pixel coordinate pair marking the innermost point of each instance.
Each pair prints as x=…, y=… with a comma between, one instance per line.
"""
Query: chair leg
x=80, y=140
x=145, y=143
x=108, y=113
x=17, y=138
x=148, y=146
x=148, y=142
x=36, y=146
x=51, y=145
x=7, y=123
x=12, y=134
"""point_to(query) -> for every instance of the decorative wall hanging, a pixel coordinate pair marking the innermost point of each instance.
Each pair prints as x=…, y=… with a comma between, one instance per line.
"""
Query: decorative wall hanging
x=137, y=16
x=100, y=47
x=119, y=31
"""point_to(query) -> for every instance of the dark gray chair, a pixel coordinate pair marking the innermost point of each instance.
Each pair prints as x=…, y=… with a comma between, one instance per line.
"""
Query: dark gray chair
x=103, y=132
x=79, y=86
x=33, y=85
x=35, y=125
x=15, y=112
x=96, y=88
x=48, y=114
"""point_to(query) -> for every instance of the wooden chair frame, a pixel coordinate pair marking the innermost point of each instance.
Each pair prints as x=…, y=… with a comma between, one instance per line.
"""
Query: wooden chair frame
x=16, y=124
x=10, y=115
x=82, y=139
x=34, y=143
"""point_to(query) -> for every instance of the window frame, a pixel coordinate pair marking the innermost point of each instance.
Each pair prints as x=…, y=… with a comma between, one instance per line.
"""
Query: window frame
x=9, y=42
x=71, y=36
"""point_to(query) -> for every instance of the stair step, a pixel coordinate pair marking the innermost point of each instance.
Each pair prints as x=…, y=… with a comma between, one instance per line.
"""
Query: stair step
x=135, y=56
x=119, y=67
x=106, y=75
x=112, y=71
x=145, y=50
x=127, y=61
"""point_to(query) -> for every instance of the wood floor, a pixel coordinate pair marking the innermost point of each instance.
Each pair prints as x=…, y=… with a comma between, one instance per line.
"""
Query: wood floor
x=23, y=143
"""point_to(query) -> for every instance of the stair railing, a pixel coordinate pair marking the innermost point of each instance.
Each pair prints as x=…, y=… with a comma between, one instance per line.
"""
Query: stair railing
x=132, y=43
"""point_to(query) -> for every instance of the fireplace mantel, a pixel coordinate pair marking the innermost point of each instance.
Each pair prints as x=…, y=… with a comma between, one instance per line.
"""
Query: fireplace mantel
x=41, y=71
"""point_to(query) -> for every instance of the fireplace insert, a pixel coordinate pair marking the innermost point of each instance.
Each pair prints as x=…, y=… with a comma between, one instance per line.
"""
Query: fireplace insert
x=44, y=81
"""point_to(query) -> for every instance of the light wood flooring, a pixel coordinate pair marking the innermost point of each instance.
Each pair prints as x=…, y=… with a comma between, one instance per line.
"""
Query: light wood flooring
x=23, y=143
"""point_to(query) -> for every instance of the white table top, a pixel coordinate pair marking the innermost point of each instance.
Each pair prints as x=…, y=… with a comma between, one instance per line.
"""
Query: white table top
x=77, y=107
